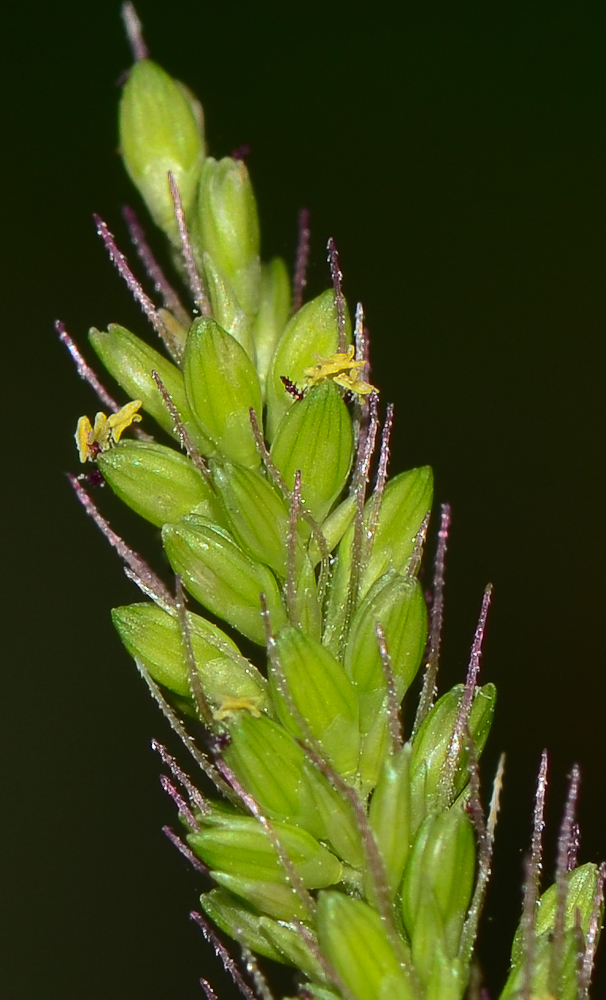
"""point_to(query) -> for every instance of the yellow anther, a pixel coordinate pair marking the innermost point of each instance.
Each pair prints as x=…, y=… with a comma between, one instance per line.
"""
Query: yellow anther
x=230, y=705
x=106, y=431
x=118, y=422
x=342, y=369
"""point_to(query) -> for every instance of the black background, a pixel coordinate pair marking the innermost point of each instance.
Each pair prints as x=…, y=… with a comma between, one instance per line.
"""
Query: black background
x=457, y=154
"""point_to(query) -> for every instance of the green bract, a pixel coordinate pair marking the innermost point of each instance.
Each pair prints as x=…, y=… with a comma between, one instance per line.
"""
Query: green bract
x=315, y=438
x=157, y=482
x=227, y=228
x=395, y=519
x=340, y=846
x=353, y=937
x=131, y=361
x=243, y=849
x=284, y=792
x=433, y=743
x=226, y=308
x=154, y=637
x=274, y=306
x=257, y=514
x=314, y=699
x=311, y=333
x=159, y=131
x=437, y=886
x=221, y=576
x=389, y=816
x=222, y=387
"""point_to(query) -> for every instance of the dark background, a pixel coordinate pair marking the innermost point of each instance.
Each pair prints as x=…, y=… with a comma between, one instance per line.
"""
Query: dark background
x=457, y=153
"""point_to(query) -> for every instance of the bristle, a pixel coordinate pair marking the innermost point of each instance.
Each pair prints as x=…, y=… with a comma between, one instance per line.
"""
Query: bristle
x=532, y=879
x=188, y=741
x=393, y=709
x=454, y=749
x=195, y=796
x=162, y=286
x=184, y=438
x=134, y=31
x=135, y=288
x=290, y=586
x=182, y=806
x=337, y=283
x=485, y=848
x=195, y=282
x=193, y=677
x=135, y=563
x=361, y=546
x=374, y=861
x=565, y=840
x=301, y=260
x=248, y=801
x=84, y=370
x=252, y=967
x=208, y=990
x=221, y=951
x=436, y=621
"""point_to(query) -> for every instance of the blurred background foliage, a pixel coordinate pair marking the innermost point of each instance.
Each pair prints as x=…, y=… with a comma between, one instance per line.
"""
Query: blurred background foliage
x=457, y=154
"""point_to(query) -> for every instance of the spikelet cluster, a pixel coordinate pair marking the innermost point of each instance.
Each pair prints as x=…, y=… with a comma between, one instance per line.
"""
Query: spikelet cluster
x=331, y=843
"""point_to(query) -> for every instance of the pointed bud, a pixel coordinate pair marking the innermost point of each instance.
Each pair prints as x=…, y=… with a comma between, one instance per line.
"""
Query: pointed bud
x=308, y=612
x=154, y=636
x=227, y=227
x=175, y=333
x=353, y=938
x=438, y=883
x=389, y=816
x=160, y=131
x=239, y=922
x=278, y=774
x=226, y=309
x=157, y=482
x=222, y=386
x=271, y=766
x=294, y=948
x=131, y=362
x=338, y=817
x=397, y=603
x=242, y=847
x=274, y=899
x=432, y=743
x=333, y=528
x=316, y=438
x=219, y=575
x=448, y=977
x=312, y=331
x=404, y=505
x=319, y=693
x=272, y=317
x=257, y=514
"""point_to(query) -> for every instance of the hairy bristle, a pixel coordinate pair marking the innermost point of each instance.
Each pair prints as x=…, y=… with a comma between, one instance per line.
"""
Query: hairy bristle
x=337, y=283
x=161, y=284
x=134, y=31
x=222, y=953
x=436, y=621
x=121, y=264
x=301, y=260
x=195, y=282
